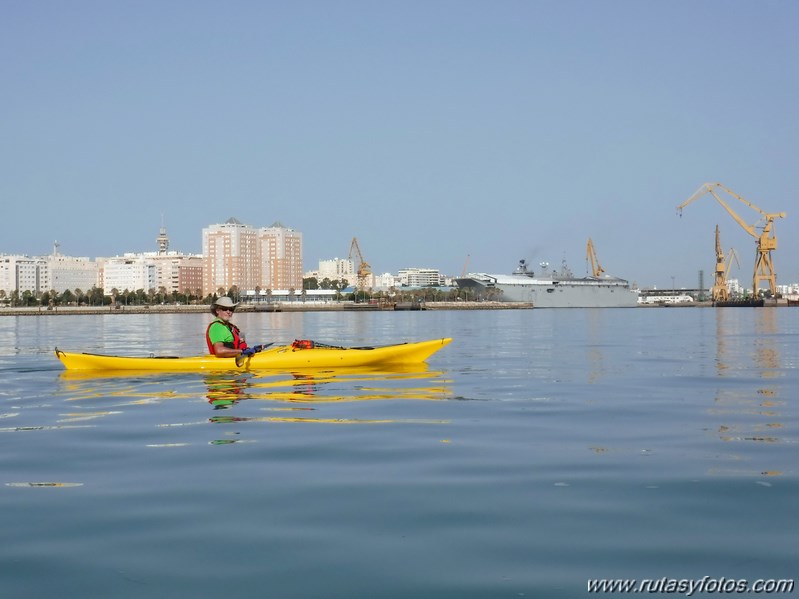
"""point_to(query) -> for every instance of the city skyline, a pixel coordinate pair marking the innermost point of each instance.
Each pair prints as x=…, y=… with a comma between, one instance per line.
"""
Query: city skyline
x=162, y=243
x=429, y=131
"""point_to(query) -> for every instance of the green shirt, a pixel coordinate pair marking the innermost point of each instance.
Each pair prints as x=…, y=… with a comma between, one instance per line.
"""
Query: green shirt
x=219, y=332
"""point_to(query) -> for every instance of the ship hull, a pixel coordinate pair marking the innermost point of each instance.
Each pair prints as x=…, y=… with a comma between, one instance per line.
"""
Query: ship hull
x=573, y=293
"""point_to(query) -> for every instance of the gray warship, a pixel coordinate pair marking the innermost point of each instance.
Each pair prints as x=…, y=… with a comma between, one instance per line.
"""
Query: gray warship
x=552, y=289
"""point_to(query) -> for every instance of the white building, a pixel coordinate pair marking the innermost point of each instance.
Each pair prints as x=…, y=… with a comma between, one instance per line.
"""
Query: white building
x=70, y=273
x=287, y=295
x=734, y=287
x=679, y=298
x=130, y=272
x=23, y=273
x=336, y=269
x=47, y=273
x=150, y=271
x=420, y=277
x=386, y=281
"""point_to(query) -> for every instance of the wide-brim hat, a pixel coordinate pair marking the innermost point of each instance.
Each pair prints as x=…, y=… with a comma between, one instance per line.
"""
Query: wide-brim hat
x=225, y=302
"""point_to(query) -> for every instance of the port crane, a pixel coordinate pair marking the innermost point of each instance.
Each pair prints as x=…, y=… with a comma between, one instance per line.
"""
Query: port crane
x=766, y=241
x=363, y=270
x=720, y=292
x=590, y=256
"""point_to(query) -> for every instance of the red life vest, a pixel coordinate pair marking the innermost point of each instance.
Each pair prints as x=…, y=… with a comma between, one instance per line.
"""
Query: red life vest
x=238, y=341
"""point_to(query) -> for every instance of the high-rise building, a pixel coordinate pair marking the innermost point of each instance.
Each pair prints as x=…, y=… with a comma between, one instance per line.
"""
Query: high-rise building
x=231, y=256
x=281, y=257
x=241, y=256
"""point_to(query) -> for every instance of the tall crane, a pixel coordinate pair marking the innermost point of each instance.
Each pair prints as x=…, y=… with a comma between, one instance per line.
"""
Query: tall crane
x=720, y=292
x=363, y=270
x=590, y=256
x=766, y=241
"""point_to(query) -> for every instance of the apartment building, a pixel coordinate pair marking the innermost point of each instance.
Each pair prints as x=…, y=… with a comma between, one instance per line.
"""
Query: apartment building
x=281, y=257
x=420, y=277
x=71, y=273
x=172, y=272
x=178, y=273
x=337, y=269
x=239, y=255
x=190, y=276
x=130, y=272
x=24, y=273
x=47, y=273
x=231, y=251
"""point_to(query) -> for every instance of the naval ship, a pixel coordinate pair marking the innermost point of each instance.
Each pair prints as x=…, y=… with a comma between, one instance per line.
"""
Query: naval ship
x=555, y=289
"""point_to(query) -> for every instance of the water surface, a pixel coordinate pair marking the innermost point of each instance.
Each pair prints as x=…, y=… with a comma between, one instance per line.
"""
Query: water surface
x=538, y=450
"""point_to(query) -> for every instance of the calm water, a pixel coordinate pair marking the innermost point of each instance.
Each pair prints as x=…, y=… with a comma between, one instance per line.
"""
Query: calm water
x=540, y=449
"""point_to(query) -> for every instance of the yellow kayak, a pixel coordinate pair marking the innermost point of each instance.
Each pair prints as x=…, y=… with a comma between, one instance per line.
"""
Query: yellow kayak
x=283, y=357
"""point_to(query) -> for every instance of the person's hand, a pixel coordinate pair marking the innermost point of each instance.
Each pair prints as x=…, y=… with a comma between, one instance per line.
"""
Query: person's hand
x=247, y=352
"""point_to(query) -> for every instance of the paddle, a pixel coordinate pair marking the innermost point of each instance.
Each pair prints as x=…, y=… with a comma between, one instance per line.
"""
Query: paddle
x=256, y=348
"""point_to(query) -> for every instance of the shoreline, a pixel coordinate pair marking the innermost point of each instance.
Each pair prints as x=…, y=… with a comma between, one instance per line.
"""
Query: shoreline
x=270, y=308
x=313, y=307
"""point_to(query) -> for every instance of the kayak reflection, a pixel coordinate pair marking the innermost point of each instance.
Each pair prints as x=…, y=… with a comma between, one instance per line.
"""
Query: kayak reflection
x=344, y=385
x=332, y=385
x=226, y=389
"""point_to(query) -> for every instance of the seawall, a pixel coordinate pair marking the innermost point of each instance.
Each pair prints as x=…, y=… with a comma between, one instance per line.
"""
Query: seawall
x=277, y=307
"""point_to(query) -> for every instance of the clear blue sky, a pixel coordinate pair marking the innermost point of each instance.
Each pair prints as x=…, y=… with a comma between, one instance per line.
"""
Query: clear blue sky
x=428, y=129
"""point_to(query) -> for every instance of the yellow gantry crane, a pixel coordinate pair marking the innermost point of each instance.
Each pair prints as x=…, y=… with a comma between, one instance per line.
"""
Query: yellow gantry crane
x=590, y=256
x=363, y=270
x=766, y=241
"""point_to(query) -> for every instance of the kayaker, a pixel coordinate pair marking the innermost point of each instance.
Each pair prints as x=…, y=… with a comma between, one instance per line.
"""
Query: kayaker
x=224, y=338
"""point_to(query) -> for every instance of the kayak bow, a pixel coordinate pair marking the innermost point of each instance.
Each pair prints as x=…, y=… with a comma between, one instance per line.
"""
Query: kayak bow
x=277, y=358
